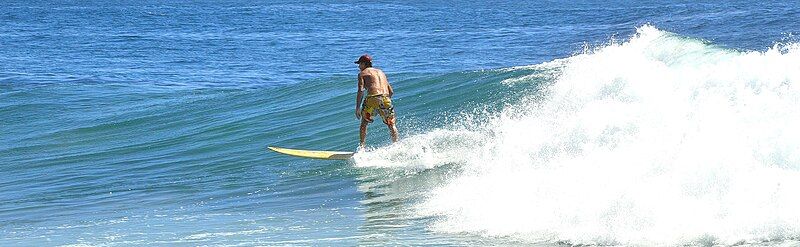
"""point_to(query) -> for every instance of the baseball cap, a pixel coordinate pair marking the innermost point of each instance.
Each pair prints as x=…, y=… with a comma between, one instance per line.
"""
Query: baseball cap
x=364, y=58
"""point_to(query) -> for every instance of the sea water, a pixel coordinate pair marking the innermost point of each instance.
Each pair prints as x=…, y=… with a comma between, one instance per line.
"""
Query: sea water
x=653, y=123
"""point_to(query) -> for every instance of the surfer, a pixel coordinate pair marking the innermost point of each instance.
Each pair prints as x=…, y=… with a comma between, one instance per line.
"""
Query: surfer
x=379, y=98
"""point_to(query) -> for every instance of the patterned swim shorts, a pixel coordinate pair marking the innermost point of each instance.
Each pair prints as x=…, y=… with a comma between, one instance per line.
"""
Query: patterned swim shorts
x=380, y=103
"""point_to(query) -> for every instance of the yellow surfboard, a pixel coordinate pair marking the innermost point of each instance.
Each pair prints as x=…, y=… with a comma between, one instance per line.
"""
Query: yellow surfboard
x=325, y=155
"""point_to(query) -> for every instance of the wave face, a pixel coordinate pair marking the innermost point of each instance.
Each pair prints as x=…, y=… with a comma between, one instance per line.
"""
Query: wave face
x=659, y=140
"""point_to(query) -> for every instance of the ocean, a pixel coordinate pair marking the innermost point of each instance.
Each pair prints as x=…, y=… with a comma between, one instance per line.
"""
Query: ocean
x=522, y=123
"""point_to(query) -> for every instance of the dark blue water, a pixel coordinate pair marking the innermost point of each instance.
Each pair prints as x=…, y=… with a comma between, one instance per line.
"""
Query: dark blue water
x=268, y=43
x=145, y=123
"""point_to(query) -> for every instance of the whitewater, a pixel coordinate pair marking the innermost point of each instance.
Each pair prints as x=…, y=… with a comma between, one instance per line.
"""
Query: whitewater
x=660, y=140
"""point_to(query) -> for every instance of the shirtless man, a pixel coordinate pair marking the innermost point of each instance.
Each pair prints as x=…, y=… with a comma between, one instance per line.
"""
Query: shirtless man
x=379, y=98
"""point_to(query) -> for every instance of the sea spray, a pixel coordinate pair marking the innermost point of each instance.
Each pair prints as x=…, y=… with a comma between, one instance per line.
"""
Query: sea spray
x=661, y=140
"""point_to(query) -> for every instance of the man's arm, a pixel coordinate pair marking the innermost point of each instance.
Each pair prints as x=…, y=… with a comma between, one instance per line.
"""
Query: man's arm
x=359, y=95
x=388, y=85
x=391, y=91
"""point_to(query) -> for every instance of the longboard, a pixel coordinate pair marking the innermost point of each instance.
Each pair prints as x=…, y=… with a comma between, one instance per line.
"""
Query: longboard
x=314, y=154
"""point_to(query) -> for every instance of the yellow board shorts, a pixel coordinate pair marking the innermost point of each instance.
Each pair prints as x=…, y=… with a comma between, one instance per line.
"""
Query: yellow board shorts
x=380, y=103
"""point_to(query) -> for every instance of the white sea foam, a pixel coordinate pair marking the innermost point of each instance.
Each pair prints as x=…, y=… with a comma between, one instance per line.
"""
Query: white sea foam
x=437, y=147
x=661, y=140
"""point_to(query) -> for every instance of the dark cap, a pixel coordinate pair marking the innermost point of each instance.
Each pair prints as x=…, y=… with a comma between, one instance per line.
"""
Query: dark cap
x=364, y=58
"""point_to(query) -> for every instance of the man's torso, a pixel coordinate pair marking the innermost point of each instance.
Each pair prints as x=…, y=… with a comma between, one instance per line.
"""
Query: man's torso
x=375, y=82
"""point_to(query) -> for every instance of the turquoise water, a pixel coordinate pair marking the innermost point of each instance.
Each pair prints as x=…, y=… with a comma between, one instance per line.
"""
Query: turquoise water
x=547, y=124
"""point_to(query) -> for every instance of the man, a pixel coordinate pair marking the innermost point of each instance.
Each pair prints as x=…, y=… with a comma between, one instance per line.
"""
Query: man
x=379, y=98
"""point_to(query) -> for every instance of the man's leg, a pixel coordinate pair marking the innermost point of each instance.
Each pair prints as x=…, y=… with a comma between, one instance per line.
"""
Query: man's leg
x=392, y=128
x=362, y=135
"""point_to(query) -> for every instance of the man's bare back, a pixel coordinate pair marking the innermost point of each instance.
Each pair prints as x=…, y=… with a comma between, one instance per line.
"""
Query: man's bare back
x=375, y=82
